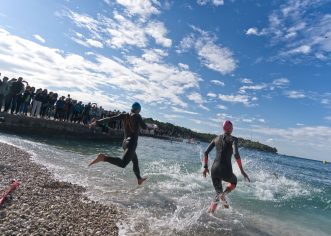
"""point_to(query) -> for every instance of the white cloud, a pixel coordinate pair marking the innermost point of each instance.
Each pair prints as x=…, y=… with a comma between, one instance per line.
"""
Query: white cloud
x=303, y=49
x=221, y=117
x=94, y=43
x=158, y=31
x=215, y=57
x=252, y=87
x=246, y=120
x=328, y=118
x=282, y=82
x=217, y=82
x=213, y=2
x=172, y=116
x=244, y=99
x=83, y=21
x=261, y=120
x=211, y=55
x=60, y=71
x=166, y=82
x=196, y=97
x=86, y=42
x=186, y=43
x=120, y=31
x=143, y=8
x=295, y=94
x=212, y=95
x=179, y=110
x=246, y=81
x=253, y=31
x=300, y=28
x=222, y=107
x=154, y=55
x=325, y=101
x=39, y=38
x=196, y=121
x=315, y=138
x=183, y=66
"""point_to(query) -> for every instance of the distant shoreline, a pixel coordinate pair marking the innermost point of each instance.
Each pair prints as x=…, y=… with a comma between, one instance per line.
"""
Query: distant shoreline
x=21, y=124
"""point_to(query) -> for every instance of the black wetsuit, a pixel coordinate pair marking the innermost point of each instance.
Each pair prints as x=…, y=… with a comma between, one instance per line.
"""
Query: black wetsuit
x=226, y=145
x=132, y=122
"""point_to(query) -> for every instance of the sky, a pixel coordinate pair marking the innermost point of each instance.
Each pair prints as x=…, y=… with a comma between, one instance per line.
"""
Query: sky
x=264, y=65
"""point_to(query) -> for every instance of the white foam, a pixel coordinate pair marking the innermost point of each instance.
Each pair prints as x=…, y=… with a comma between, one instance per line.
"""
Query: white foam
x=269, y=186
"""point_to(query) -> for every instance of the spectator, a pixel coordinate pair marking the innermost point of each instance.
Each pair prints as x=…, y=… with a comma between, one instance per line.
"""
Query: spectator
x=59, y=109
x=86, y=114
x=4, y=90
x=77, y=113
x=71, y=105
x=44, y=103
x=25, y=99
x=16, y=88
x=52, y=101
x=37, y=102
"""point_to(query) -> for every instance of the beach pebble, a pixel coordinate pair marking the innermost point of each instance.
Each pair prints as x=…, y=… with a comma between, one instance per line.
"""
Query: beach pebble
x=44, y=206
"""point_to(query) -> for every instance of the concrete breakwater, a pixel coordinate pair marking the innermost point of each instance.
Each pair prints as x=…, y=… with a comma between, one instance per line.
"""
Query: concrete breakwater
x=19, y=124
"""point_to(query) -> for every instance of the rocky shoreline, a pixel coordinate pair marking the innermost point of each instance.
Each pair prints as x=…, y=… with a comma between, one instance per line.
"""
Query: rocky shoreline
x=44, y=206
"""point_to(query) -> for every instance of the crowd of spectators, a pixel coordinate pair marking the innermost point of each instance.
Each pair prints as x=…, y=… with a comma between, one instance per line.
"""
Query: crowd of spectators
x=18, y=97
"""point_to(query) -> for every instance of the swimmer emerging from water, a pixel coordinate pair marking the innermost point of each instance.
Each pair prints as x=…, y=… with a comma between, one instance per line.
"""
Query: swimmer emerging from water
x=226, y=145
x=132, y=122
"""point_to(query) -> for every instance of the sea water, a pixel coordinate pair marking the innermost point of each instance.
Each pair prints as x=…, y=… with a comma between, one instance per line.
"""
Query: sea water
x=286, y=195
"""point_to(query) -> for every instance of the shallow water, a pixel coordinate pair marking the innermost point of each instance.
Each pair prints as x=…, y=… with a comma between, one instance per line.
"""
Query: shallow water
x=287, y=195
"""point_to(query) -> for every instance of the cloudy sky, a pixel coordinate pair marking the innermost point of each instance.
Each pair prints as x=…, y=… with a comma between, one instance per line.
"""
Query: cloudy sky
x=265, y=65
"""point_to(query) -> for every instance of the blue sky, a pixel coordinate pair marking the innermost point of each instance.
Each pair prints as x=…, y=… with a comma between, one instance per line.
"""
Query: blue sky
x=265, y=65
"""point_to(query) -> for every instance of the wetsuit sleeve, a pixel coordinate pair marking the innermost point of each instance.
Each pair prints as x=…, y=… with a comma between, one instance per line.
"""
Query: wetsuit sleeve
x=142, y=124
x=209, y=148
x=109, y=119
x=235, y=149
x=236, y=153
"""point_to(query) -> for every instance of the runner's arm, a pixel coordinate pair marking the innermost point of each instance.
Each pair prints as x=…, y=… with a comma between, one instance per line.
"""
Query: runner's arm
x=109, y=119
x=142, y=124
x=238, y=159
x=205, y=158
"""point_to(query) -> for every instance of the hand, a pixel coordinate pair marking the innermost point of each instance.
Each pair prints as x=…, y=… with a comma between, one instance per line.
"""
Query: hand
x=245, y=175
x=205, y=172
x=151, y=126
x=92, y=124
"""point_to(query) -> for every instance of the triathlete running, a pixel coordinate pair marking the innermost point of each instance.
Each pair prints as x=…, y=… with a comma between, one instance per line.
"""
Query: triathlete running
x=221, y=170
x=132, y=122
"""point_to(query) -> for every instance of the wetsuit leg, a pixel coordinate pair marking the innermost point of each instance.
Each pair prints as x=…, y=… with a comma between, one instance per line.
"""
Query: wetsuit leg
x=217, y=182
x=136, y=166
x=216, y=177
x=232, y=180
x=127, y=157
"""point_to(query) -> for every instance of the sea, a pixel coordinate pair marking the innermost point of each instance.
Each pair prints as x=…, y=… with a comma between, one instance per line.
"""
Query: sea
x=286, y=196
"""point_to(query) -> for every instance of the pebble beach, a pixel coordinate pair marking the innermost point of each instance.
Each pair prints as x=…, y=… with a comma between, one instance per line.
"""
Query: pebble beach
x=42, y=205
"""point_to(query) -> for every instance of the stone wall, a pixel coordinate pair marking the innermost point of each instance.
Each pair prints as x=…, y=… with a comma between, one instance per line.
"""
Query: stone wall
x=19, y=124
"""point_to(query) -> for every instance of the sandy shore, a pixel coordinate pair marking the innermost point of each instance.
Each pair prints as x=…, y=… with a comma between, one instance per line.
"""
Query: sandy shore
x=44, y=206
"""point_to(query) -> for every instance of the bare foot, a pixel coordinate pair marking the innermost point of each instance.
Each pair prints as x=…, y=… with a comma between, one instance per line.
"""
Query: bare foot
x=212, y=207
x=140, y=181
x=224, y=202
x=99, y=158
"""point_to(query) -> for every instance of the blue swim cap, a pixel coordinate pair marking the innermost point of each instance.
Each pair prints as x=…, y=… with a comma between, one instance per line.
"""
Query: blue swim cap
x=136, y=106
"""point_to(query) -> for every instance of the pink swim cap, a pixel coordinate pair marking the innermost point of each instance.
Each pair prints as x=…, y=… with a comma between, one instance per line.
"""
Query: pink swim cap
x=227, y=127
